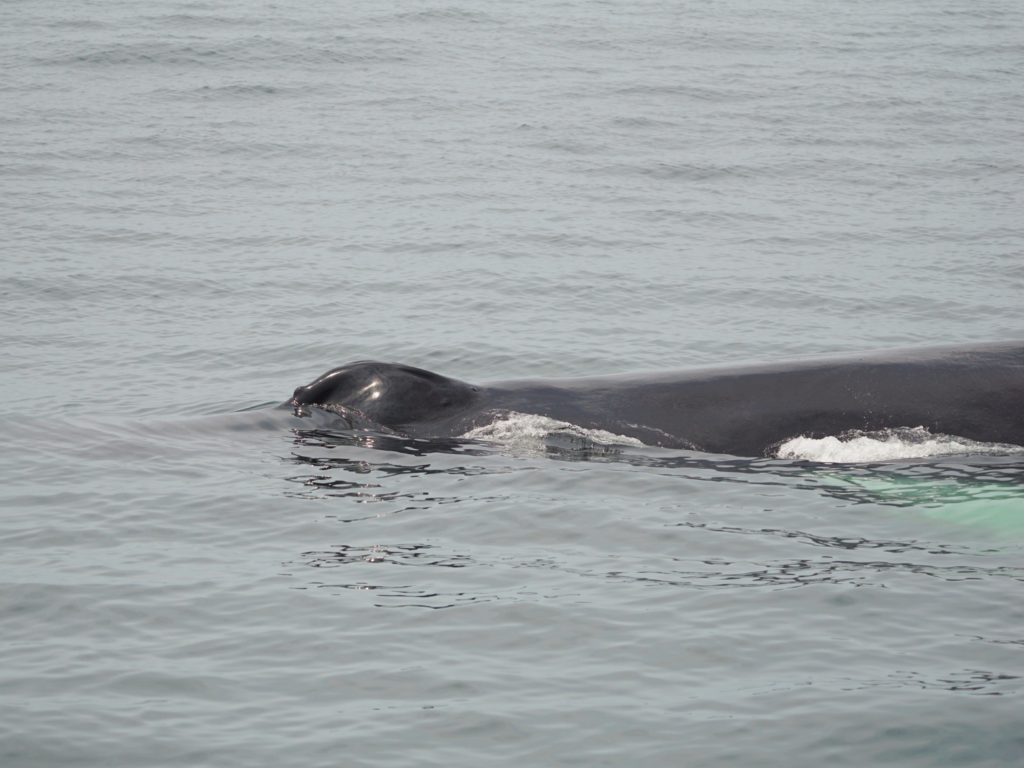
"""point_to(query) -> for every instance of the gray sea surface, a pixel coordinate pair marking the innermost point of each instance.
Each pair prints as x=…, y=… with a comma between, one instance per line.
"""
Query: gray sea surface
x=204, y=205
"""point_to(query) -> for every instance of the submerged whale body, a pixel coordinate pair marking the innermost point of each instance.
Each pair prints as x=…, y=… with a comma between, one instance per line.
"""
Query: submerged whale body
x=975, y=392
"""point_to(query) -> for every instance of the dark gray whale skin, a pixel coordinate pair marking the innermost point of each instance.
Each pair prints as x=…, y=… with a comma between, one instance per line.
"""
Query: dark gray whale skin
x=975, y=392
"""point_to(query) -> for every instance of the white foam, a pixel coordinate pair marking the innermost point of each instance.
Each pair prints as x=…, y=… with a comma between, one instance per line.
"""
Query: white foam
x=889, y=444
x=524, y=430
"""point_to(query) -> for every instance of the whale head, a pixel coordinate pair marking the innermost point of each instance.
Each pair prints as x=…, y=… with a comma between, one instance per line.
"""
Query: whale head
x=388, y=394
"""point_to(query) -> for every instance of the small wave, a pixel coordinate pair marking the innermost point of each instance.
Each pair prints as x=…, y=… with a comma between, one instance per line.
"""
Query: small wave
x=530, y=432
x=889, y=444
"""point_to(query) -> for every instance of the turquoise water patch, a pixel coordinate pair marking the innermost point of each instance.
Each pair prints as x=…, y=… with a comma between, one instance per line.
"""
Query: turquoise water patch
x=965, y=495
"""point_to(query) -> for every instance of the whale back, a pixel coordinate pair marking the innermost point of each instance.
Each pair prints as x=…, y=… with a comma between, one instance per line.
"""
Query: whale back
x=388, y=394
x=971, y=392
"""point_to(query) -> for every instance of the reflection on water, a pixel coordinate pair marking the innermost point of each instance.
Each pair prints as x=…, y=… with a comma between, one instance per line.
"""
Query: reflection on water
x=687, y=573
x=994, y=483
x=414, y=446
x=970, y=681
x=389, y=475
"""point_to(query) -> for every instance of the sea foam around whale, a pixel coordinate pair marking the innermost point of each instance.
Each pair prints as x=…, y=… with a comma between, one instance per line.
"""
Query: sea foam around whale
x=889, y=444
x=523, y=431
x=531, y=432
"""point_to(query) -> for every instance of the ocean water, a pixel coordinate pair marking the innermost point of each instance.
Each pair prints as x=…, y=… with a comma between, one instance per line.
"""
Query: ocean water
x=204, y=205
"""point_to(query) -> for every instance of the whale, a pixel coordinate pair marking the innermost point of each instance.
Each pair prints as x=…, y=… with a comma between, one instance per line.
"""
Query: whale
x=974, y=392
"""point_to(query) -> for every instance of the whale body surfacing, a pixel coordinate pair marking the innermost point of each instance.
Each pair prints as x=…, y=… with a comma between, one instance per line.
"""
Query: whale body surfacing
x=971, y=392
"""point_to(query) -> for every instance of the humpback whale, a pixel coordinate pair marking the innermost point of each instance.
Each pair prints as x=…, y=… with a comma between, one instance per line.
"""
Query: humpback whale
x=976, y=392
